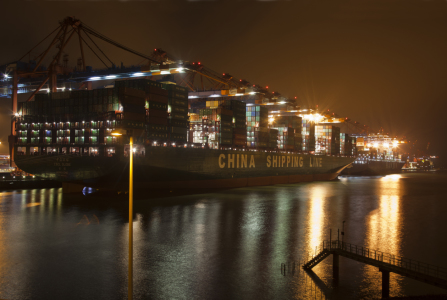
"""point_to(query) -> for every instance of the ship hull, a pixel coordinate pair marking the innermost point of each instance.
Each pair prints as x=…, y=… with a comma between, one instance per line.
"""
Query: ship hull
x=170, y=167
x=371, y=168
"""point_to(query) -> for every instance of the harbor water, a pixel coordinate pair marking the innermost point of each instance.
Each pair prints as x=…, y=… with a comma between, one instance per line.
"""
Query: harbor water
x=223, y=245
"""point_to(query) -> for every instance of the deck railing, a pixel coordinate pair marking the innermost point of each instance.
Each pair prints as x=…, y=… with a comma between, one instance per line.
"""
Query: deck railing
x=386, y=258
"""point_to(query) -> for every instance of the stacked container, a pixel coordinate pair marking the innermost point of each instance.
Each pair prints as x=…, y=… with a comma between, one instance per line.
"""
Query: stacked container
x=213, y=104
x=308, y=135
x=216, y=126
x=289, y=132
x=353, y=146
x=345, y=144
x=196, y=132
x=273, y=138
x=225, y=134
x=286, y=138
x=178, y=112
x=327, y=139
x=239, y=120
x=87, y=117
x=258, y=134
x=133, y=114
x=257, y=116
x=156, y=104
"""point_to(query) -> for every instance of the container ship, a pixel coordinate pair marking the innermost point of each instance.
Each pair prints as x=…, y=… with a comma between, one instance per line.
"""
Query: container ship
x=377, y=155
x=181, y=139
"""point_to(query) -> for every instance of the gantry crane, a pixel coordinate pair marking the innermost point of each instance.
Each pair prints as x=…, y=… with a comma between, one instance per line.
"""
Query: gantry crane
x=157, y=63
x=67, y=29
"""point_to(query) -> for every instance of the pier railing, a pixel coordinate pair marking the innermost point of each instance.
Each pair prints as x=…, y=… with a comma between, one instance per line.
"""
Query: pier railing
x=383, y=257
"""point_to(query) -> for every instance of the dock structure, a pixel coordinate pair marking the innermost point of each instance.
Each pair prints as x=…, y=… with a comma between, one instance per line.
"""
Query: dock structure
x=385, y=262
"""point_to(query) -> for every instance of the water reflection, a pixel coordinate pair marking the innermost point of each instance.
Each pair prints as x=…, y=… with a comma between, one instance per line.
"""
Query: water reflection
x=384, y=222
x=384, y=228
x=227, y=245
x=317, y=197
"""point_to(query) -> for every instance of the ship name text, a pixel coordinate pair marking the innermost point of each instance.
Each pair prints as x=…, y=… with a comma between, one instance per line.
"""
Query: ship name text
x=240, y=161
x=289, y=161
x=236, y=161
x=62, y=162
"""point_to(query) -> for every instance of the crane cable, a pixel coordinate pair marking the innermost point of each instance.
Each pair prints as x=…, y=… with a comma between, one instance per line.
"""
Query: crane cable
x=39, y=44
x=97, y=46
x=112, y=42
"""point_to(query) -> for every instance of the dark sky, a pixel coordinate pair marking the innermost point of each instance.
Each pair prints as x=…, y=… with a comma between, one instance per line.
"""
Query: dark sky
x=382, y=63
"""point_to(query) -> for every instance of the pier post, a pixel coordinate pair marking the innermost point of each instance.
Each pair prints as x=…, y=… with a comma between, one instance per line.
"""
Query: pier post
x=335, y=266
x=385, y=283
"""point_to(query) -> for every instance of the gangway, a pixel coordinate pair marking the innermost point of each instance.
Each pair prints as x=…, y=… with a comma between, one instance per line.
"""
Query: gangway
x=386, y=263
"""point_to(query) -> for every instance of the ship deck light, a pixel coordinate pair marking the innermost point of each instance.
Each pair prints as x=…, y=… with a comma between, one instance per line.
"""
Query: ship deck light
x=118, y=132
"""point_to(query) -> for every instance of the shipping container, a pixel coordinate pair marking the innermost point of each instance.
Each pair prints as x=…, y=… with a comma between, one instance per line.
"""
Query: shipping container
x=179, y=109
x=157, y=120
x=178, y=130
x=126, y=91
x=156, y=105
x=157, y=135
x=125, y=99
x=157, y=98
x=179, y=116
x=178, y=102
x=156, y=113
x=179, y=123
x=156, y=91
x=178, y=137
x=138, y=109
x=133, y=116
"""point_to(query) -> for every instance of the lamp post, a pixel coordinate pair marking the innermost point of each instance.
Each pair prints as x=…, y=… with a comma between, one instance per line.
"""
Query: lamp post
x=120, y=132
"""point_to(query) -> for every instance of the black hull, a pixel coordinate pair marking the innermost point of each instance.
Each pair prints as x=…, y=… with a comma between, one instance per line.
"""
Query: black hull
x=171, y=168
x=28, y=184
x=371, y=168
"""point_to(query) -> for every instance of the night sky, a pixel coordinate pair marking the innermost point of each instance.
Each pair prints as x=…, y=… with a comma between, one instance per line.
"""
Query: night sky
x=382, y=63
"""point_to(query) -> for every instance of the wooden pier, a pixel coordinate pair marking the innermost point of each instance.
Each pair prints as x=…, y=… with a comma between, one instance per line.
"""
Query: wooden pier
x=386, y=263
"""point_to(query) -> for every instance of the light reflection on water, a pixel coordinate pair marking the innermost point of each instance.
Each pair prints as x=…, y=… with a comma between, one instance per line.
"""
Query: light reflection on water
x=317, y=197
x=227, y=245
x=383, y=228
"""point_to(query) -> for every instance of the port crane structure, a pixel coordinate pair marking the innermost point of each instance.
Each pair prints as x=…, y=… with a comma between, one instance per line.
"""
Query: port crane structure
x=32, y=77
